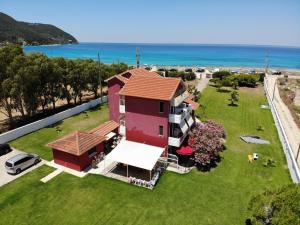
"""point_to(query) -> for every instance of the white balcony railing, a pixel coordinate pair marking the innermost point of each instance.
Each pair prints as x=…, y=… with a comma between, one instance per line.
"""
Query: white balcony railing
x=179, y=99
x=122, y=108
x=122, y=130
x=176, y=142
x=180, y=114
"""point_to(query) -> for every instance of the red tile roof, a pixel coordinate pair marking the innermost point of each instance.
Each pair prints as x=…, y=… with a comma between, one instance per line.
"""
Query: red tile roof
x=77, y=143
x=152, y=87
x=134, y=72
x=105, y=128
x=195, y=105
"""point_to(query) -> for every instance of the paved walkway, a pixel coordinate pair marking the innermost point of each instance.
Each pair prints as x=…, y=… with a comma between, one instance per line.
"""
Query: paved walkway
x=290, y=127
x=51, y=175
x=202, y=83
x=65, y=169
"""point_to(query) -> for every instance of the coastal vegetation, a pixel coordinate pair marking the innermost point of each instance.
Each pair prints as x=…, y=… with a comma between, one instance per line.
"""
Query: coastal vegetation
x=226, y=79
x=276, y=206
x=220, y=196
x=35, y=83
x=13, y=31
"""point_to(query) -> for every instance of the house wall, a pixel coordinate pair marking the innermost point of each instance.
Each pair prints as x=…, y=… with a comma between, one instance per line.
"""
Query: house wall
x=114, y=86
x=142, y=120
x=78, y=163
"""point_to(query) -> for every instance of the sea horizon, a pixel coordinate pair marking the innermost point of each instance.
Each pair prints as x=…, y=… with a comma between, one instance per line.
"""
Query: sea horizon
x=179, y=54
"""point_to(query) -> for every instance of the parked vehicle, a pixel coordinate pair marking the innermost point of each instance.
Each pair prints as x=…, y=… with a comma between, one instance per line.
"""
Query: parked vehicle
x=18, y=163
x=4, y=149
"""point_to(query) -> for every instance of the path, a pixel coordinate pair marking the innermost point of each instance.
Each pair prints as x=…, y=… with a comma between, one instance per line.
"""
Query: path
x=202, y=83
x=290, y=127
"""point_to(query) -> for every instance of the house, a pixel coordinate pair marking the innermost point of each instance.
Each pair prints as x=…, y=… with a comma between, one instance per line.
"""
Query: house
x=151, y=109
x=78, y=149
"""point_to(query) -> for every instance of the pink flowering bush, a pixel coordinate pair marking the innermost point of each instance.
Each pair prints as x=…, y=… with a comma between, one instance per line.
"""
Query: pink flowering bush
x=206, y=140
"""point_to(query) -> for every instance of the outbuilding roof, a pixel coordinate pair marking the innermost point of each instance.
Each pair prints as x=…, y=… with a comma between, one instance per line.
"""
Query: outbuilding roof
x=77, y=143
x=152, y=87
x=105, y=128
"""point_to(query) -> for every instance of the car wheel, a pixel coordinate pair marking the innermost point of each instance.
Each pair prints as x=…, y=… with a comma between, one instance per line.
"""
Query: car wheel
x=36, y=161
x=18, y=171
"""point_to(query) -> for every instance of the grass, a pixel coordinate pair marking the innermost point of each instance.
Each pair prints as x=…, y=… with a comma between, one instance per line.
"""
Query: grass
x=36, y=142
x=217, y=197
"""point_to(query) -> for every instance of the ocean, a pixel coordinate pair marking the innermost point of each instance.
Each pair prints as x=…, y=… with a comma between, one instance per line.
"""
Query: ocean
x=179, y=54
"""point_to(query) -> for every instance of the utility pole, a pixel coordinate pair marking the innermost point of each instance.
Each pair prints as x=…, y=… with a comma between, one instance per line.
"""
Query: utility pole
x=100, y=78
x=267, y=63
x=137, y=58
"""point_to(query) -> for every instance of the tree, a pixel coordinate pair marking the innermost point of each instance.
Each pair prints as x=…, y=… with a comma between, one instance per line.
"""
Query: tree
x=7, y=55
x=279, y=206
x=221, y=74
x=234, y=97
x=206, y=142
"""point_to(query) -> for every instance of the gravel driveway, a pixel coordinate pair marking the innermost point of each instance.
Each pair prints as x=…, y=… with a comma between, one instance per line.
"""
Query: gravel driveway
x=4, y=176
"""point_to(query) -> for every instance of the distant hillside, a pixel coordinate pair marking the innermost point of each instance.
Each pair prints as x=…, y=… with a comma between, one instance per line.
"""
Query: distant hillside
x=31, y=33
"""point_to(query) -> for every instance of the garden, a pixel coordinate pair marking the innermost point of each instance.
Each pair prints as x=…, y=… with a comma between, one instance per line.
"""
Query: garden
x=219, y=196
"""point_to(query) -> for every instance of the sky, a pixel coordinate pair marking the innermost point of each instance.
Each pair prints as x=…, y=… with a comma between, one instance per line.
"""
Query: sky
x=258, y=22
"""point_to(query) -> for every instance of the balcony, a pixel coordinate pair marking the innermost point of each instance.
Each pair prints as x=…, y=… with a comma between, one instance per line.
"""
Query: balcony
x=181, y=112
x=122, y=108
x=179, y=99
x=122, y=130
x=177, y=141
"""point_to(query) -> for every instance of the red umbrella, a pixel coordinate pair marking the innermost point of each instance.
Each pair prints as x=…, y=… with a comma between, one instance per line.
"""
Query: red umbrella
x=185, y=150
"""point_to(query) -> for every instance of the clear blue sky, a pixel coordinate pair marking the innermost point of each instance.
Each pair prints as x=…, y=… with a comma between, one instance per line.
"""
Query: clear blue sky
x=272, y=22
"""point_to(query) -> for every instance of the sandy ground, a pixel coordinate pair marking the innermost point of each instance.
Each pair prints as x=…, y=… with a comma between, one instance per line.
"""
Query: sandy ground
x=290, y=127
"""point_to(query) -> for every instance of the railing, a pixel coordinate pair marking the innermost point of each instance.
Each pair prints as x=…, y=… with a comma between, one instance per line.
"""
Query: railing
x=179, y=99
x=292, y=164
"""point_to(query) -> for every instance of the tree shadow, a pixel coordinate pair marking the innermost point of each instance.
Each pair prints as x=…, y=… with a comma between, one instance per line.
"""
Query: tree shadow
x=223, y=91
x=233, y=105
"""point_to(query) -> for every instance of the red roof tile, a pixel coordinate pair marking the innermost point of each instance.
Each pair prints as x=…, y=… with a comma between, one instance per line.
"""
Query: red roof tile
x=105, y=128
x=76, y=143
x=152, y=87
x=195, y=105
x=134, y=72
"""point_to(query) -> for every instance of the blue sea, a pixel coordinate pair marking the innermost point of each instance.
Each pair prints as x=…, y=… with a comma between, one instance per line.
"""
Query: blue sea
x=179, y=54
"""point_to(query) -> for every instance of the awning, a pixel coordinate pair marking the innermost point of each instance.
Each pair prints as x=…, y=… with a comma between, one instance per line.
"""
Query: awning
x=135, y=154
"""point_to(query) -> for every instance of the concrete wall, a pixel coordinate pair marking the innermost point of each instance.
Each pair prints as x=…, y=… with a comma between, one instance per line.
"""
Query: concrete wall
x=18, y=132
x=142, y=121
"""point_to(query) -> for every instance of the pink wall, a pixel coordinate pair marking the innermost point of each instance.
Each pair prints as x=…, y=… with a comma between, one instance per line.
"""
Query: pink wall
x=142, y=120
x=75, y=162
x=114, y=86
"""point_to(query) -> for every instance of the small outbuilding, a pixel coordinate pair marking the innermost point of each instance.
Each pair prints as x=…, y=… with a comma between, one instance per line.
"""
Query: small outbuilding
x=77, y=150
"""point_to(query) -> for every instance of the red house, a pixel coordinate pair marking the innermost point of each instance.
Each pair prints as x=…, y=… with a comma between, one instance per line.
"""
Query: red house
x=151, y=109
x=77, y=150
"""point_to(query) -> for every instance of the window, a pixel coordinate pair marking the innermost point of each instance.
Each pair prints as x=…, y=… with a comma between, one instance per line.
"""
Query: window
x=92, y=152
x=161, y=130
x=161, y=107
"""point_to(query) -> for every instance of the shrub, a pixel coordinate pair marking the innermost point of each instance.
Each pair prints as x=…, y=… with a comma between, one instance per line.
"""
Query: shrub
x=221, y=74
x=245, y=80
x=206, y=142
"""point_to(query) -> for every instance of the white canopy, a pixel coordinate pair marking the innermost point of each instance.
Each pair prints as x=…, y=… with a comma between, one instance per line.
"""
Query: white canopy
x=135, y=154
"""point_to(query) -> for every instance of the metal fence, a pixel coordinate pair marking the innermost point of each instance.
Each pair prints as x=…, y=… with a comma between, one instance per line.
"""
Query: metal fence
x=18, y=132
x=292, y=164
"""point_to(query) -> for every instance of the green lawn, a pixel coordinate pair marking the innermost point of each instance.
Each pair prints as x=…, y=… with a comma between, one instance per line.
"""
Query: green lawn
x=217, y=197
x=36, y=142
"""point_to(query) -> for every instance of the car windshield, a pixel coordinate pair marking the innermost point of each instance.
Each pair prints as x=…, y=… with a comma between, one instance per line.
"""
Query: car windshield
x=8, y=164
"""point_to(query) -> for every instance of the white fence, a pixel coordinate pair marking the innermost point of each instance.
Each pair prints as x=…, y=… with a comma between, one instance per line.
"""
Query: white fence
x=292, y=164
x=18, y=132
